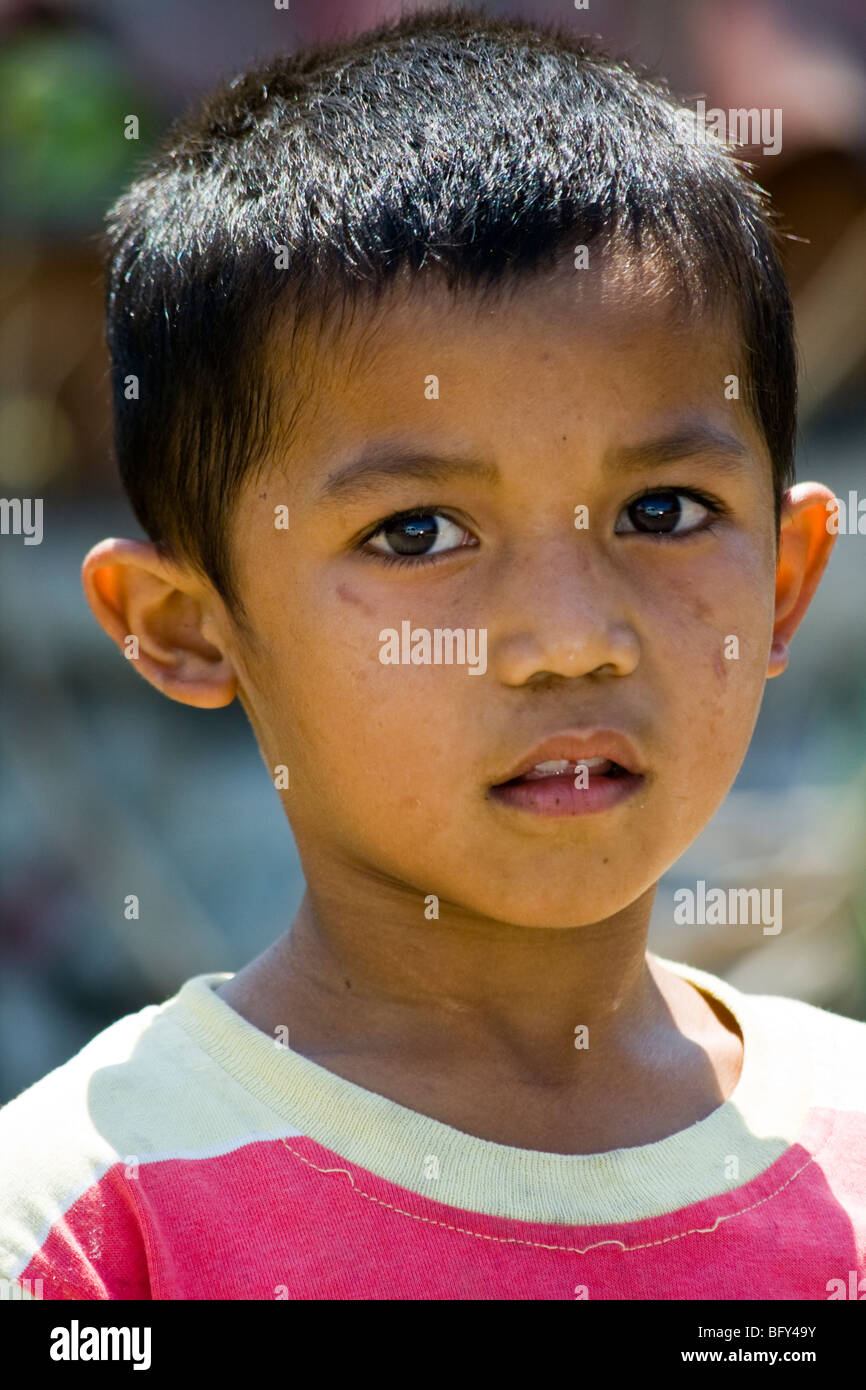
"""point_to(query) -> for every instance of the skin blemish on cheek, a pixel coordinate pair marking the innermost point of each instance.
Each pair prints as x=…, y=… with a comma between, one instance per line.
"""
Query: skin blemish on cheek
x=345, y=593
x=720, y=666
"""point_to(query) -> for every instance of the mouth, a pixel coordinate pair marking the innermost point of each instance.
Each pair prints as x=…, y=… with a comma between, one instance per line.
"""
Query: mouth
x=572, y=775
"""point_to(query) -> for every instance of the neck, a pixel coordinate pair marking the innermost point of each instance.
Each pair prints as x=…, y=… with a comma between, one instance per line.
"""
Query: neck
x=568, y=1040
x=467, y=979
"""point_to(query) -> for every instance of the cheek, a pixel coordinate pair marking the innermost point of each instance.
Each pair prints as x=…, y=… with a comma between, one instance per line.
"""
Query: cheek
x=728, y=612
x=358, y=733
x=348, y=595
x=720, y=665
x=716, y=634
x=728, y=711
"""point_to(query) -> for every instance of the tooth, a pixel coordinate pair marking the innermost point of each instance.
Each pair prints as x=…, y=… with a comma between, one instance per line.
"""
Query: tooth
x=556, y=765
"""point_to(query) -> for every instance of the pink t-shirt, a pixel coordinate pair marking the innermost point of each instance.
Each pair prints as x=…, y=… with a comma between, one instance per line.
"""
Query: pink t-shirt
x=184, y=1154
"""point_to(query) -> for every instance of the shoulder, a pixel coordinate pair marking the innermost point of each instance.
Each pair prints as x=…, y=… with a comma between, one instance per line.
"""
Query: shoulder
x=831, y=1045
x=56, y=1117
x=63, y=1139
x=795, y=1043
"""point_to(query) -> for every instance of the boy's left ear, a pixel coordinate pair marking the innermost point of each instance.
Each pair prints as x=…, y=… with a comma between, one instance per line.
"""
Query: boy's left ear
x=805, y=543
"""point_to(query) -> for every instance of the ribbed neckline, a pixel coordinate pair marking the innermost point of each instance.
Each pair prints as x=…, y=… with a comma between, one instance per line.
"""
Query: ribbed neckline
x=756, y=1124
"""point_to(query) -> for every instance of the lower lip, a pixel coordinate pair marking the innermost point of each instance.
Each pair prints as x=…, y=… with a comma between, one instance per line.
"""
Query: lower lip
x=558, y=796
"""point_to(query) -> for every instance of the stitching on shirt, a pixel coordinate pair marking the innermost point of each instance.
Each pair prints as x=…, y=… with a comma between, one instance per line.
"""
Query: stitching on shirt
x=568, y=1249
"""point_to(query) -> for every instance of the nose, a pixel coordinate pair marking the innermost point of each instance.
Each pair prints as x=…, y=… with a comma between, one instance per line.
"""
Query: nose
x=562, y=610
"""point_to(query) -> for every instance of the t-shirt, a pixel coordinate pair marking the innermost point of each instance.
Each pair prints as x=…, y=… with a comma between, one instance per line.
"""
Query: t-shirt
x=185, y=1154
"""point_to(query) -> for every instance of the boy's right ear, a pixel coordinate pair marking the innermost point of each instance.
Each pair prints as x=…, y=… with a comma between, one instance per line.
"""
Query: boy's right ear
x=163, y=618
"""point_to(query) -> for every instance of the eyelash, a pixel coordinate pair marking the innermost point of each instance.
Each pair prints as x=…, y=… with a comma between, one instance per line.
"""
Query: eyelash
x=715, y=507
x=414, y=560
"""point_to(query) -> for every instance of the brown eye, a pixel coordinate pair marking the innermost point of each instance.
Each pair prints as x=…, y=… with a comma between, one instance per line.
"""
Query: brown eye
x=418, y=534
x=663, y=513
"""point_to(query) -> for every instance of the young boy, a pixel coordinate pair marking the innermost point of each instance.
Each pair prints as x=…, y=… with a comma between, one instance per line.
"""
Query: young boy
x=455, y=388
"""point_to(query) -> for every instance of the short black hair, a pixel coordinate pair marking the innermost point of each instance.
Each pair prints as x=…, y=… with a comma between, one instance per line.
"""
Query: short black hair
x=451, y=143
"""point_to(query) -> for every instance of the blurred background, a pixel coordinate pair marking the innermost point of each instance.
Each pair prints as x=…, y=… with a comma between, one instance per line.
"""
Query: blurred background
x=108, y=788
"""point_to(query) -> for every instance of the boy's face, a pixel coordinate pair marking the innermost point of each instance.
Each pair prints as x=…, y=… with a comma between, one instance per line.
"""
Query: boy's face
x=568, y=392
x=580, y=393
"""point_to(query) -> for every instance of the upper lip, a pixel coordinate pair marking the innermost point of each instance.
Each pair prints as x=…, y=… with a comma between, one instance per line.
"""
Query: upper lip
x=576, y=746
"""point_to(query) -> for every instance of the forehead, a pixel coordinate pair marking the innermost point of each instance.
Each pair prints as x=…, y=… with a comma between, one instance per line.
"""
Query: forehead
x=592, y=352
x=619, y=292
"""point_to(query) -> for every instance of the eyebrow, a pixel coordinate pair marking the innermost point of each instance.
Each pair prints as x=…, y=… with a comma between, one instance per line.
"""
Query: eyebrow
x=382, y=462
x=726, y=450
x=389, y=461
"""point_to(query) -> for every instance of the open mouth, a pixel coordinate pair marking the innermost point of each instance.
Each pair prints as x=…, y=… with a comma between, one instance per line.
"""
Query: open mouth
x=561, y=767
x=571, y=786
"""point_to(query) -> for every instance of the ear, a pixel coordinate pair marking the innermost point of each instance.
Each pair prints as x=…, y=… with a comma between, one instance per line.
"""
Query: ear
x=804, y=549
x=162, y=618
